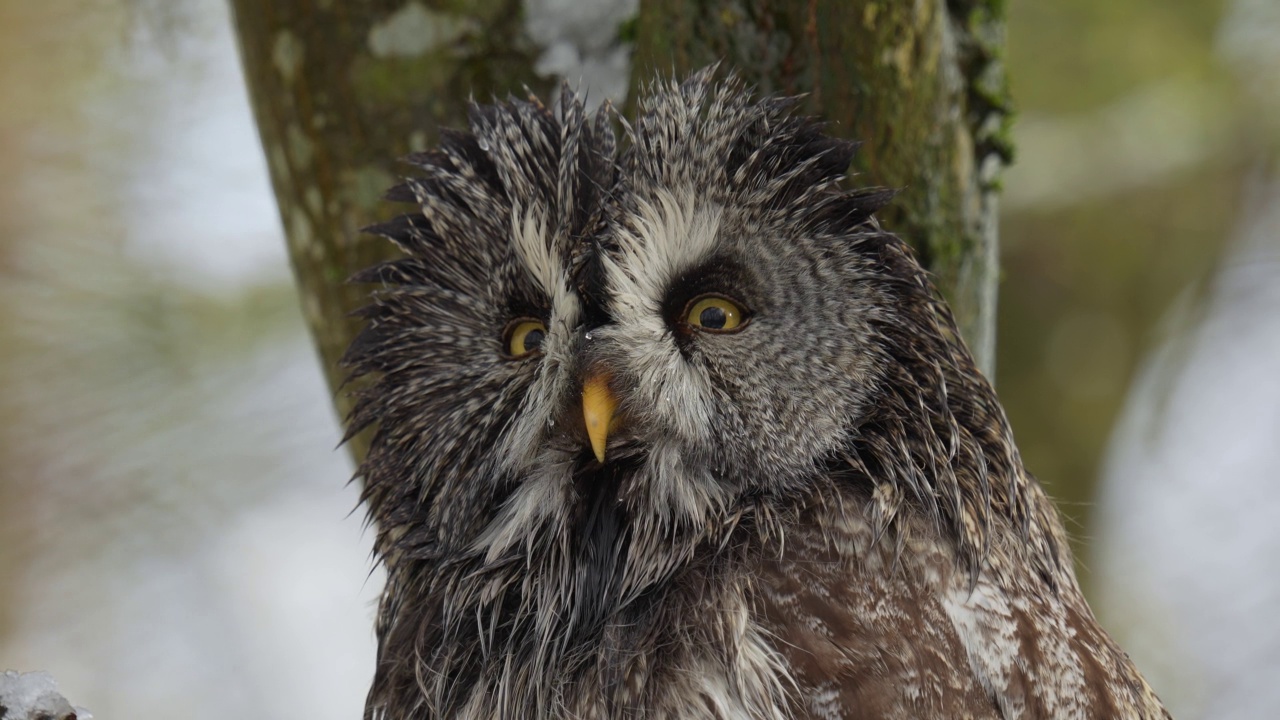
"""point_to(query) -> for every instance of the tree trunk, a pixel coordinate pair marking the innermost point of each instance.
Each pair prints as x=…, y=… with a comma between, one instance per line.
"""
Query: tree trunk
x=342, y=90
x=921, y=83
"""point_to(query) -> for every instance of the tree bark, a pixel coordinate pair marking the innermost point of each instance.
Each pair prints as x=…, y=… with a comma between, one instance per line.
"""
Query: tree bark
x=919, y=82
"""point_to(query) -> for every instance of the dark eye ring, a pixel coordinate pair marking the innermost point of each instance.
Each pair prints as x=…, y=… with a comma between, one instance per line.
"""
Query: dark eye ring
x=715, y=313
x=523, y=337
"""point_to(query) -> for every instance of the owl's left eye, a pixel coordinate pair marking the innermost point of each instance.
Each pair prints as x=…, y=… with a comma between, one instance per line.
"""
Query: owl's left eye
x=714, y=313
x=524, y=337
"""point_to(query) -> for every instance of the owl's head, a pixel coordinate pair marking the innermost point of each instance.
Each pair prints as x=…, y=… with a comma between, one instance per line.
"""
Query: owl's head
x=648, y=336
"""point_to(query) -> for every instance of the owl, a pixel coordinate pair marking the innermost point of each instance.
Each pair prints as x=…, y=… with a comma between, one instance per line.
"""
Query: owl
x=666, y=426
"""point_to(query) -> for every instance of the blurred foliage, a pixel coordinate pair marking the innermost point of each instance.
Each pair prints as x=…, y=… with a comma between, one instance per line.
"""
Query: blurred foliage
x=1087, y=276
x=117, y=375
x=1072, y=56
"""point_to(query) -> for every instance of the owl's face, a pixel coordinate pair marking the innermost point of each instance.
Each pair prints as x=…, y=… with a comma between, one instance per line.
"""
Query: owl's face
x=667, y=332
x=596, y=369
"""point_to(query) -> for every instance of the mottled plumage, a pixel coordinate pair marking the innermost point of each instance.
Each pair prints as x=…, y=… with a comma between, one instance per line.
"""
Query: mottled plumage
x=817, y=513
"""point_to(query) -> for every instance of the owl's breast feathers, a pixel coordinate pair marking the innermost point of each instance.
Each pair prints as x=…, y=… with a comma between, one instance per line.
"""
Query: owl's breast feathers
x=814, y=612
x=879, y=627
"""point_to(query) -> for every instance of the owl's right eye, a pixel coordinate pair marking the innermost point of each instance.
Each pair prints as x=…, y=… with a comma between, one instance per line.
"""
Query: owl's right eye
x=523, y=337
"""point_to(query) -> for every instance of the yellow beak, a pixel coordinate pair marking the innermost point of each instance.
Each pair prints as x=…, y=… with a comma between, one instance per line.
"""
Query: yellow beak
x=598, y=406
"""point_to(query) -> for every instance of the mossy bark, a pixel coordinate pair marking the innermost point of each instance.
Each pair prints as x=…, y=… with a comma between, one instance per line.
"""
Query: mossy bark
x=921, y=85
x=341, y=91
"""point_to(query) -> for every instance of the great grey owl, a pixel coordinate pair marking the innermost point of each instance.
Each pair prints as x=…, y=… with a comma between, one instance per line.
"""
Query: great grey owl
x=670, y=428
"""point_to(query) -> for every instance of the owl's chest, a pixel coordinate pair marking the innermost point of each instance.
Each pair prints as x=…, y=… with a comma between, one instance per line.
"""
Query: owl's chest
x=687, y=648
x=720, y=671
x=826, y=620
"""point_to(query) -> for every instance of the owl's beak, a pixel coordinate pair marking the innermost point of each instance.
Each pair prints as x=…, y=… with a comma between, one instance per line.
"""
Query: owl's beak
x=598, y=407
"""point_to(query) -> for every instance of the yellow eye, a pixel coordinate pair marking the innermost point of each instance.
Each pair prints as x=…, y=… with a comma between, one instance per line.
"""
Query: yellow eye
x=525, y=336
x=714, y=313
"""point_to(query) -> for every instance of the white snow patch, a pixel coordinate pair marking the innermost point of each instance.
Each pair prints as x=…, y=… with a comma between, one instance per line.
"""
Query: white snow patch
x=414, y=30
x=580, y=43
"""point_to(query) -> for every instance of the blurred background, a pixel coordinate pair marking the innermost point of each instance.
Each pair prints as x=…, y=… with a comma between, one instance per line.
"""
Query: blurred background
x=176, y=529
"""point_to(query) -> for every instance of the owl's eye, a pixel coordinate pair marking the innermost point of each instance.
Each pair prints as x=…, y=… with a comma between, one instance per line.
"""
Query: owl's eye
x=524, y=337
x=714, y=313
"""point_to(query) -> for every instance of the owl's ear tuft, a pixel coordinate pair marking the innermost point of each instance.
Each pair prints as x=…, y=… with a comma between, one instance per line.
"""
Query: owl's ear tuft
x=783, y=165
x=846, y=212
x=401, y=193
x=466, y=156
x=774, y=148
x=522, y=141
x=832, y=156
x=390, y=273
x=410, y=232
